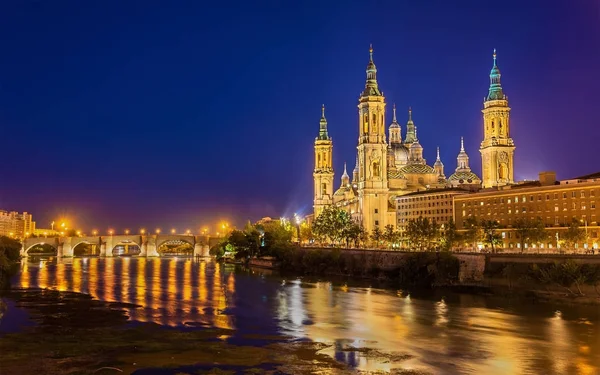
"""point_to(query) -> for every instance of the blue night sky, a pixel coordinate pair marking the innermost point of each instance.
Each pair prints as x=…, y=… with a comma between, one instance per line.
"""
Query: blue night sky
x=173, y=114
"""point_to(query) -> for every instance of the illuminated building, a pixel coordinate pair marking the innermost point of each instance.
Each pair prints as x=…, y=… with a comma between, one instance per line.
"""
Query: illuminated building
x=435, y=205
x=555, y=203
x=497, y=148
x=15, y=224
x=387, y=169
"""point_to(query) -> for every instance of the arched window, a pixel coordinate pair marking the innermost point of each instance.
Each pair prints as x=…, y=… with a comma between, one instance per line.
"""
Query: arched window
x=323, y=188
x=375, y=169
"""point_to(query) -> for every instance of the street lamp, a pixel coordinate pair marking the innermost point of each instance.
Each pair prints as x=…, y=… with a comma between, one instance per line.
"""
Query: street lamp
x=110, y=231
x=173, y=231
x=188, y=232
x=126, y=231
x=78, y=233
x=158, y=231
x=94, y=232
x=142, y=231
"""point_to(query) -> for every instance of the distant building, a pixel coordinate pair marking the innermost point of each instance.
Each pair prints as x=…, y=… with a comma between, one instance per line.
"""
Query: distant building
x=41, y=232
x=15, y=224
x=556, y=203
x=388, y=167
x=434, y=205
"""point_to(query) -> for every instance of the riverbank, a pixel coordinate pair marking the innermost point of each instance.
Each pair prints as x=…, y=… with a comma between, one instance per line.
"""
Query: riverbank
x=75, y=334
x=551, y=278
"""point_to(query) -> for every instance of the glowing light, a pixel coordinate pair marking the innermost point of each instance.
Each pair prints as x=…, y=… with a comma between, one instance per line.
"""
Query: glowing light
x=126, y=231
x=110, y=231
x=94, y=232
x=142, y=231
x=158, y=231
x=188, y=231
x=173, y=231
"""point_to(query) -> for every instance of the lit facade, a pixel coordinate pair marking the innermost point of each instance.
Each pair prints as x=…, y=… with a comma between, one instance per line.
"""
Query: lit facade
x=497, y=148
x=390, y=167
x=435, y=205
x=16, y=224
x=555, y=203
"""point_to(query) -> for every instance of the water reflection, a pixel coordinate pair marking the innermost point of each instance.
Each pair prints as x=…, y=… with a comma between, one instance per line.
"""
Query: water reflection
x=452, y=334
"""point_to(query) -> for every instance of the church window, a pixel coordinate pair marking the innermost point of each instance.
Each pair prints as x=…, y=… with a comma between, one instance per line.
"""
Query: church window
x=323, y=188
x=376, y=222
x=376, y=211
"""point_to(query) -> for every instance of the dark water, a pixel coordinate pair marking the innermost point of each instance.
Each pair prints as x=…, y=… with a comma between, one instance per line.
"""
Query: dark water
x=455, y=334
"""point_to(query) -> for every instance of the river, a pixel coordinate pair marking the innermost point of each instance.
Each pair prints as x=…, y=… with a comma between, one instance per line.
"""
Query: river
x=438, y=334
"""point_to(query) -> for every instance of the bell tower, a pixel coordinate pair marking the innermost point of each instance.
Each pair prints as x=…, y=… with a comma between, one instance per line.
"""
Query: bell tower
x=372, y=152
x=497, y=148
x=323, y=172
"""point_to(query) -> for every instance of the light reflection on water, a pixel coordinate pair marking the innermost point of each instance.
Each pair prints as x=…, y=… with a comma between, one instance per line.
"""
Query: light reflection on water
x=459, y=334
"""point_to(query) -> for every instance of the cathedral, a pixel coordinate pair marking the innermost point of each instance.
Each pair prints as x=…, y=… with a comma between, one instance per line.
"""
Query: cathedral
x=390, y=166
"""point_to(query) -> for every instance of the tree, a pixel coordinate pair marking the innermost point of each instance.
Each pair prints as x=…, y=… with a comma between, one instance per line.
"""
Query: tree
x=472, y=234
x=10, y=252
x=376, y=236
x=363, y=236
x=574, y=234
x=530, y=232
x=450, y=236
x=490, y=234
x=352, y=234
x=421, y=232
x=331, y=224
x=306, y=234
x=389, y=235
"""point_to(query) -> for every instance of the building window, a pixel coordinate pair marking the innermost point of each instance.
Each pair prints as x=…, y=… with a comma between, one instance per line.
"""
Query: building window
x=573, y=194
x=376, y=211
x=547, y=197
x=376, y=222
x=592, y=205
x=556, y=208
x=582, y=194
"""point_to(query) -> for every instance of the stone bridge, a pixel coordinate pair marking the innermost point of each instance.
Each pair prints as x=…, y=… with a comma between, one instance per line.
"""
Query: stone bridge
x=149, y=244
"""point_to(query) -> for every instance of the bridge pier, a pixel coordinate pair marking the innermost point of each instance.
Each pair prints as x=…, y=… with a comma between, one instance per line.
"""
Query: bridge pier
x=65, y=248
x=149, y=246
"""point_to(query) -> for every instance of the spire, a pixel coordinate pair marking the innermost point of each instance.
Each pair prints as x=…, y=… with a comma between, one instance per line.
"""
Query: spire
x=355, y=171
x=371, y=87
x=323, y=135
x=345, y=177
x=462, y=160
x=394, y=119
x=438, y=165
x=411, y=134
x=495, y=92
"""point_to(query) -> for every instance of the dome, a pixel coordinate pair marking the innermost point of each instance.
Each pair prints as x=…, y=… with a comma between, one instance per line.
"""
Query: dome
x=416, y=146
x=465, y=178
x=417, y=169
x=400, y=153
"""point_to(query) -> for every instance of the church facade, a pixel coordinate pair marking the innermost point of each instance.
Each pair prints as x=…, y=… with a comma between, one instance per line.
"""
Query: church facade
x=388, y=165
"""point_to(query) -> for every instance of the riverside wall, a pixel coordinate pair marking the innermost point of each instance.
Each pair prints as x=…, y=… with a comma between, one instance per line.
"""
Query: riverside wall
x=475, y=268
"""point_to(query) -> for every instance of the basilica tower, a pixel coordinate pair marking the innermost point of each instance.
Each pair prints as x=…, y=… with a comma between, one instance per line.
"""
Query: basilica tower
x=323, y=172
x=372, y=152
x=497, y=148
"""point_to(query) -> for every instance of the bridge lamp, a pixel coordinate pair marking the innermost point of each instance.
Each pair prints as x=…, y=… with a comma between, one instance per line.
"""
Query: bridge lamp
x=126, y=231
x=172, y=231
x=158, y=231
x=78, y=233
x=188, y=232
x=110, y=231
x=94, y=232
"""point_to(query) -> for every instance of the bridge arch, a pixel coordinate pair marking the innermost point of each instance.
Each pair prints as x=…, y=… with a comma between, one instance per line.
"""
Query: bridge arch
x=86, y=248
x=41, y=248
x=175, y=245
x=125, y=247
